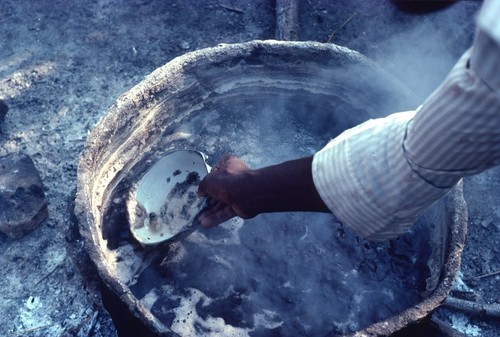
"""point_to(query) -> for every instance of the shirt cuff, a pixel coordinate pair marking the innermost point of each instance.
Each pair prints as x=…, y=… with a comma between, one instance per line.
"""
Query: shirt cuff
x=365, y=180
x=487, y=67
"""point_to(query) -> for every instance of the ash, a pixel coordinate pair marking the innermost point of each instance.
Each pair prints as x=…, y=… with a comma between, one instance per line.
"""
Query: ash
x=287, y=274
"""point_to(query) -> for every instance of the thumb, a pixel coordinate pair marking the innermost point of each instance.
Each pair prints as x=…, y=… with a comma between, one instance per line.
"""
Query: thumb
x=216, y=215
x=203, y=188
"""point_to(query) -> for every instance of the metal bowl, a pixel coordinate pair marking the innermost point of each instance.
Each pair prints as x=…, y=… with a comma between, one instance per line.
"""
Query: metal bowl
x=163, y=204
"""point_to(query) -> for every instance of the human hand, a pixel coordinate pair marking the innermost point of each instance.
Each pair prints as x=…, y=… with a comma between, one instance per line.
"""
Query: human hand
x=228, y=188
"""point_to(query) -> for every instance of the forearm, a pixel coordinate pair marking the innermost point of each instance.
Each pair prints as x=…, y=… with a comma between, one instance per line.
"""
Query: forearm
x=287, y=186
x=234, y=189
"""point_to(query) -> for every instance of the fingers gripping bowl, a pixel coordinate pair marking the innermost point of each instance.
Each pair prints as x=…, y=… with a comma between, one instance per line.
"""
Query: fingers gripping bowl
x=279, y=274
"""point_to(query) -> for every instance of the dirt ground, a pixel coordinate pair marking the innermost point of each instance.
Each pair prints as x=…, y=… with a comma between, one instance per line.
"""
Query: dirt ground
x=63, y=64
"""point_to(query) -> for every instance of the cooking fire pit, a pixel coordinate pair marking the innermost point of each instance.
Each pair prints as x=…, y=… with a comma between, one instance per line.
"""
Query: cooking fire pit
x=283, y=274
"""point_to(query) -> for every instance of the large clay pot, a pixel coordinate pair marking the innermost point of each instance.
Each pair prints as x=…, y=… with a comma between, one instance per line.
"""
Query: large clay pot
x=278, y=274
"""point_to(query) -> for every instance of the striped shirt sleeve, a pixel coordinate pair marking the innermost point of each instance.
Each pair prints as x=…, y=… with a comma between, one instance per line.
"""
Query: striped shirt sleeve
x=379, y=177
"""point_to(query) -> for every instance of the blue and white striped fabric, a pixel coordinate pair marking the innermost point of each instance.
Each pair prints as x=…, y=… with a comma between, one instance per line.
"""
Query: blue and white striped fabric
x=379, y=177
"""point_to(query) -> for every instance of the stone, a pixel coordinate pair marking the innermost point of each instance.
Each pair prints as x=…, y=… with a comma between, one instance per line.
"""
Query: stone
x=185, y=45
x=22, y=199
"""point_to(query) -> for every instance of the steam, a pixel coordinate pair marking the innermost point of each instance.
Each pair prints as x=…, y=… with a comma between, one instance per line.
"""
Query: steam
x=293, y=274
x=421, y=50
x=286, y=273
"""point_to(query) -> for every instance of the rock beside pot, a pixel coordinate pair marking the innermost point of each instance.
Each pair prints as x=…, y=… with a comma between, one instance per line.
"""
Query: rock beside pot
x=22, y=200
